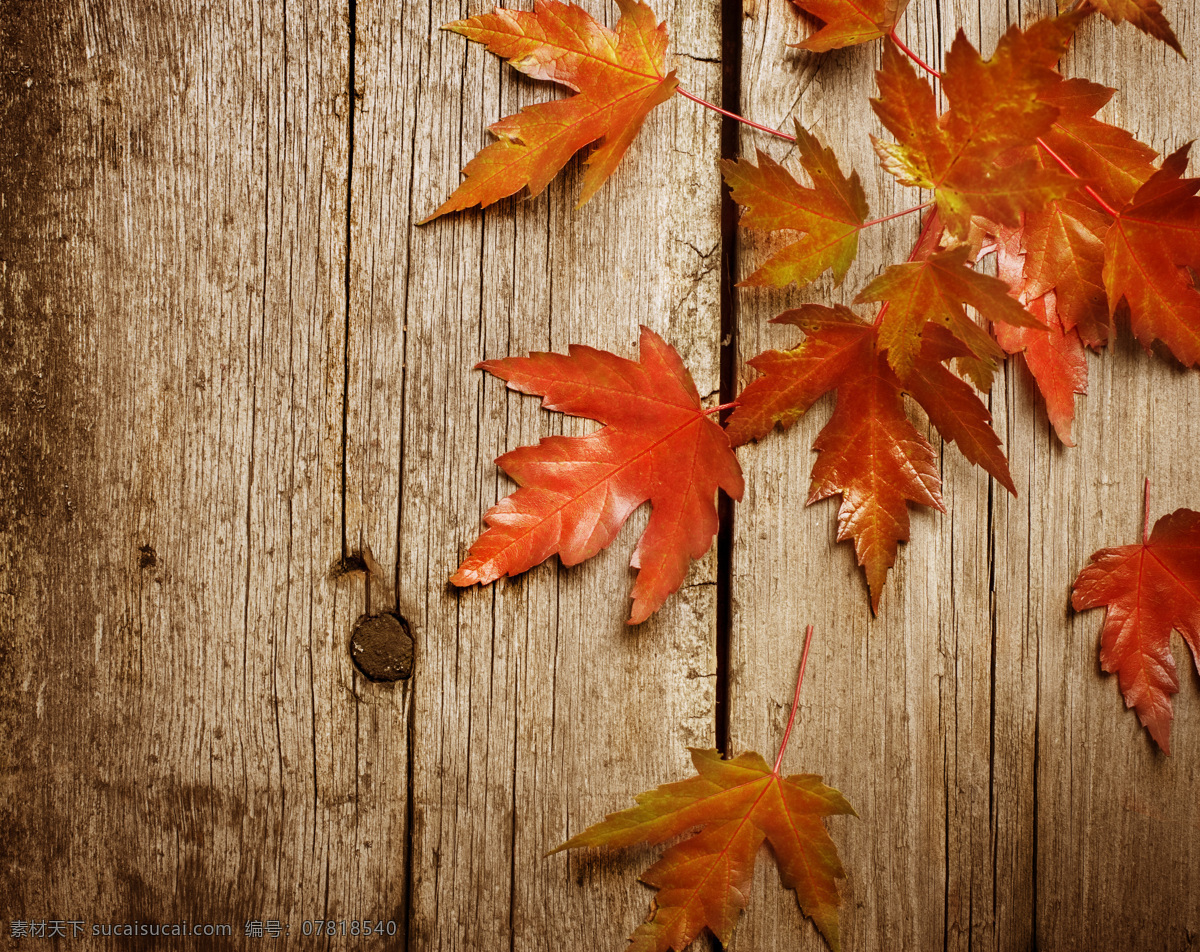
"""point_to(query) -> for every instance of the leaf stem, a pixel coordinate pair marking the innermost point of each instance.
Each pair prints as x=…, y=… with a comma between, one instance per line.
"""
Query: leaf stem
x=907, y=211
x=1070, y=171
x=732, y=115
x=914, y=57
x=1146, y=508
x=795, y=700
x=723, y=406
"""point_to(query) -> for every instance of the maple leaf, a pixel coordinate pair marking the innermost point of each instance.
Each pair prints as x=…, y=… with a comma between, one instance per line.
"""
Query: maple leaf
x=705, y=880
x=1147, y=250
x=936, y=291
x=1054, y=353
x=1105, y=156
x=995, y=113
x=1064, y=244
x=848, y=23
x=657, y=445
x=1146, y=15
x=1065, y=237
x=831, y=213
x=870, y=453
x=1148, y=589
x=618, y=78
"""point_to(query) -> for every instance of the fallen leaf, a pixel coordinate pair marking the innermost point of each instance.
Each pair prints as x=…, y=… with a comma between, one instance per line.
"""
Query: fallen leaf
x=705, y=880
x=979, y=155
x=830, y=214
x=1053, y=353
x=937, y=291
x=870, y=453
x=1105, y=156
x=848, y=23
x=1148, y=590
x=1064, y=243
x=618, y=78
x=1147, y=253
x=1146, y=15
x=1055, y=357
x=657, y=445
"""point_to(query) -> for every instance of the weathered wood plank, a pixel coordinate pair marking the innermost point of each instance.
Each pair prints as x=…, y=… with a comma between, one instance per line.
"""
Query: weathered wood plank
x=969, y=722
x=535, y=710
x=179, y=699
x=1118, y=824
x=202, y=417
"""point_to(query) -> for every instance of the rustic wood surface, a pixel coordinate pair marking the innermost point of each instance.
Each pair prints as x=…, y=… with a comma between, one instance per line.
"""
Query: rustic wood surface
x=1006, y=799
x=230, y=364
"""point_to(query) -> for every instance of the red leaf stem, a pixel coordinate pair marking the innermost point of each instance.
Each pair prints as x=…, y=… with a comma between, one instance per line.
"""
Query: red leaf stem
x=733, y=115
x=1070, y=171
x=907, y=211
x=795, y=700
x=914, y=57
x=1146, y=508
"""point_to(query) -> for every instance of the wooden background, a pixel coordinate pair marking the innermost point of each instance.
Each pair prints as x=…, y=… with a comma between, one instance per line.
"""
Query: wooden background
x=228, y=359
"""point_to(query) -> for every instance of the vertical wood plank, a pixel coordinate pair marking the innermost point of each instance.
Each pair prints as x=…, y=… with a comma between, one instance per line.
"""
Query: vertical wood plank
x=179, y=698
x=935, y=717
x=1118, y=823
x=536, y=711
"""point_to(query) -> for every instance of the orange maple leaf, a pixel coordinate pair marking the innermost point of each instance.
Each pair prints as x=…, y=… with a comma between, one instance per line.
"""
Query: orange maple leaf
x=1105, y=156
x=831, y=213
x=705, y=880
x=978, y=155
x=1146, y=15
x=658, y=445
x=849, y=22
x=1148, y=589
x=1064, y=239
x=1147, y=253
x=936, y=291
x=870, y=453
x=618, y=77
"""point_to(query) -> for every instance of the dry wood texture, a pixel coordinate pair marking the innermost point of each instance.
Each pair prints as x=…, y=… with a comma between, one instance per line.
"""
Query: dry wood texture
x=229, y=362
x=1006, y=799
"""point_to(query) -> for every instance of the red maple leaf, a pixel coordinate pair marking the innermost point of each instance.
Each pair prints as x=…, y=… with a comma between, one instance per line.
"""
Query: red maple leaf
x=1055, y=357
x=849, y=22
x=618, y=77
x=657, y=445
x=705, y=880
x=830, y=214
x=1054, y=353
x=1147, y=253
x=1148, y=590
x=870, y=453
x=979, y=156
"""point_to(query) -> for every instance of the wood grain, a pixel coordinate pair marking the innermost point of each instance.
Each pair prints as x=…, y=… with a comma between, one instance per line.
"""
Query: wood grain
x=229, y=362
x=232, y=361
x=1006, y=798
x=186, y=736
x=536, y=710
